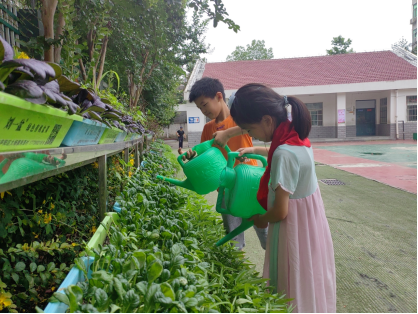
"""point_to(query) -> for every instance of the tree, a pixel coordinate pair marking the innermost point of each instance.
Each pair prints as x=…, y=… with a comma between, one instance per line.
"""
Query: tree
x=340, y=46
x=218, y=15
x=403, y=43
x=256, y=51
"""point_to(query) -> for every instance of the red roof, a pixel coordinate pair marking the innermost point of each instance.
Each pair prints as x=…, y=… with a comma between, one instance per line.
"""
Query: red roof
x=322, y=70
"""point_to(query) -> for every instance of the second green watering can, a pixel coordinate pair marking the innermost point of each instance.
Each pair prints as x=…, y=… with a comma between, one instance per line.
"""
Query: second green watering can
x=202, y=171
x=238, y=192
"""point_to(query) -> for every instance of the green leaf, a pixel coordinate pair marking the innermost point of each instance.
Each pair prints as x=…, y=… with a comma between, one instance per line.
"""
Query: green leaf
x=242, y=301
x=101, y=298
x=191, y=302
x=62, y=298
x=154, y=271
x=41, y=268
x=153, y=288
x=20, y=266
x=75, y=295
x=102, y=275
x=142, y=287
x=15, y=277
x=79, y=263
x=88, y=308
x=51, y=266
x=168, y=291
x=30, y=280
x=117, y=285
x=32, y=267
x=22, y=295
x=114, y=308
x=131, y=300
x=62, y=266
x=160, y=298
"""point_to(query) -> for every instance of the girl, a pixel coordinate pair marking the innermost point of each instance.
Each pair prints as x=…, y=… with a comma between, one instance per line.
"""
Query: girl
x=300, y=256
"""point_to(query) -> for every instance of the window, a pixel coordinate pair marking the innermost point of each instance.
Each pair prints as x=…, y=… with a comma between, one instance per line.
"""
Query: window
x=414, y=34
x=415, y=11
x=316, y=113
x=383, y=111
x=411, y=108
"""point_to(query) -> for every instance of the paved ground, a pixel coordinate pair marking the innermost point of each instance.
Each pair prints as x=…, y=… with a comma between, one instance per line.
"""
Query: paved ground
x=390, y=162
x=374, y=230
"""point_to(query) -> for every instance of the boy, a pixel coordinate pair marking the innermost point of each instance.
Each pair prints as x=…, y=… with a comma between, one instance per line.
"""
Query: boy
x=180, y=136
x=209, y=96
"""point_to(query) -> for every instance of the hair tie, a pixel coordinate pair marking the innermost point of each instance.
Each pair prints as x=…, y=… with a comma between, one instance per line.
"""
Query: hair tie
x=286, y=102
x=288, y=108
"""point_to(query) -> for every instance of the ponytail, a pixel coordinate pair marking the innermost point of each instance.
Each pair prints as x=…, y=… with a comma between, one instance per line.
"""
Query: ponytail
x=253, y=101
x=301, y=117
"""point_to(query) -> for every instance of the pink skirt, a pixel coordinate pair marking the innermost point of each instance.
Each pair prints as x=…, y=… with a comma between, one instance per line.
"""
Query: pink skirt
x=300, y=256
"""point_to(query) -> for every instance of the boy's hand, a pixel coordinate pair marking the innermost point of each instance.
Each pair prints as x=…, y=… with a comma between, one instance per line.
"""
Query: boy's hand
x=245, y=150
x=190, y=155
x=221, y=138
x=257, y=221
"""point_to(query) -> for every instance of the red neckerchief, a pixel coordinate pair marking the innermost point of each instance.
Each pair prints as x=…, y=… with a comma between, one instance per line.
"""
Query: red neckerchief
x=284, y=134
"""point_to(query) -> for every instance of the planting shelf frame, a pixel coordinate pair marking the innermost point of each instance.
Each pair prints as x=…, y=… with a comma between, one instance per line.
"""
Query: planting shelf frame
x=92, y=153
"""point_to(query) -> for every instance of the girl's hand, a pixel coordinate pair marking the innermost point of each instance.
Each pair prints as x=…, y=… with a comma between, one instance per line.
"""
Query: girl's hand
x=221, y=138
x=245, y=150
x=257, y=221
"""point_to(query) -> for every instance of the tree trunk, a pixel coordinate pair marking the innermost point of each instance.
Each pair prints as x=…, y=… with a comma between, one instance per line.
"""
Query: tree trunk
x=48, y=11
x=60, y=29
x=83, y=70
x=102, y=58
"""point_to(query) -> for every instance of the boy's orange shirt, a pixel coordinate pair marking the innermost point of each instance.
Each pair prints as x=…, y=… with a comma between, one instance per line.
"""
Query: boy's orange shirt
x=234, y=143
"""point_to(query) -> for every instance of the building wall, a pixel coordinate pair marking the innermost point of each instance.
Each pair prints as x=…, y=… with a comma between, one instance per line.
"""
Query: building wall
x=413, y=22
x=330, y=129
x=171, y=131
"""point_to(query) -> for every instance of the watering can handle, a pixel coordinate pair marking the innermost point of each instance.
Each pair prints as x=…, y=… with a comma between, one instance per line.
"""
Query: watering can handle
x=233, y=155
x=180, y=158
x=219, y=208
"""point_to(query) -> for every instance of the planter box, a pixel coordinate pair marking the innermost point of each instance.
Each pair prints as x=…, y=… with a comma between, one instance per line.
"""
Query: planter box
x=86, y=132
x=101, y=232
x=129, y=137
x=26, y=126
x=120, y=137
x=75, y=275
x=109, y=135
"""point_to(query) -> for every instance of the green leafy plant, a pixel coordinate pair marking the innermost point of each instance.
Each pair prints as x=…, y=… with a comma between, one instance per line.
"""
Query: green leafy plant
x=160, y=256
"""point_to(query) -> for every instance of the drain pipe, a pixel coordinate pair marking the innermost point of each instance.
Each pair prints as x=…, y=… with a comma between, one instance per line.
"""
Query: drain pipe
x=396, y=115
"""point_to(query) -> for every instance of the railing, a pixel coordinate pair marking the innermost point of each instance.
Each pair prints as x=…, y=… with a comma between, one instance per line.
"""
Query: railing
x=74, y=157
x=9, y=27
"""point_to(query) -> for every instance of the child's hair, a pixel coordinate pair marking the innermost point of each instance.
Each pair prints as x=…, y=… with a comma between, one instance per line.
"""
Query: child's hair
x=207, y=87
x=253, y=101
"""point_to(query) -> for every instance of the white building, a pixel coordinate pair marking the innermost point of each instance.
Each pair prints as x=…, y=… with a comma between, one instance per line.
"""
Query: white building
x=348, y=95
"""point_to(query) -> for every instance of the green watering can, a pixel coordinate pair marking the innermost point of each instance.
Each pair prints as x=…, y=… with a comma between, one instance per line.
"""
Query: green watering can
x=202, y=171
x=29, y=164
x=238, y=187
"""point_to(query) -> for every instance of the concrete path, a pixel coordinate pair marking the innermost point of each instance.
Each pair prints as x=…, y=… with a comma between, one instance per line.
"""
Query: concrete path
x=374, y=231
x=390, y=162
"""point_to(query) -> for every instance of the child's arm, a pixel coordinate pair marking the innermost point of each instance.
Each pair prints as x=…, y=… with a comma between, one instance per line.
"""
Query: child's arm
x=275, y=214
x=263, y=151
x=222, y=137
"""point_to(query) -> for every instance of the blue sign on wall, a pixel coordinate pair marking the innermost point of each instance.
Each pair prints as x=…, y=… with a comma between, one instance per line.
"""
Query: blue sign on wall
x=194, y=119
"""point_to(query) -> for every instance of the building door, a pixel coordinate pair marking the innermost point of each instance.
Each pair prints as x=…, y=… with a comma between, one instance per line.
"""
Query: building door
x=365, y=117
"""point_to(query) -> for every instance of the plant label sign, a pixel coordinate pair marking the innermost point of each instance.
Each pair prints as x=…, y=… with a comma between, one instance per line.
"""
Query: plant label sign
x=341, y=115
x=23, y=129
x=194, y=120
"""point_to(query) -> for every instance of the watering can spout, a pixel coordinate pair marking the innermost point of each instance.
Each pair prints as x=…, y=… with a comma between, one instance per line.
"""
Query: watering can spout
x=242, y=227
x=184, y=184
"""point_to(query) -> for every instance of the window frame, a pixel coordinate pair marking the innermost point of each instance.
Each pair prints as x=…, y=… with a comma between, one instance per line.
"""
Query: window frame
x=384, y=110
x=410, y=108
x=318, y=113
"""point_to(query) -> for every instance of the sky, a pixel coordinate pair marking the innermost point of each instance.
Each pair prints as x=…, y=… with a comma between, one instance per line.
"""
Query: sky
x=302, y=28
